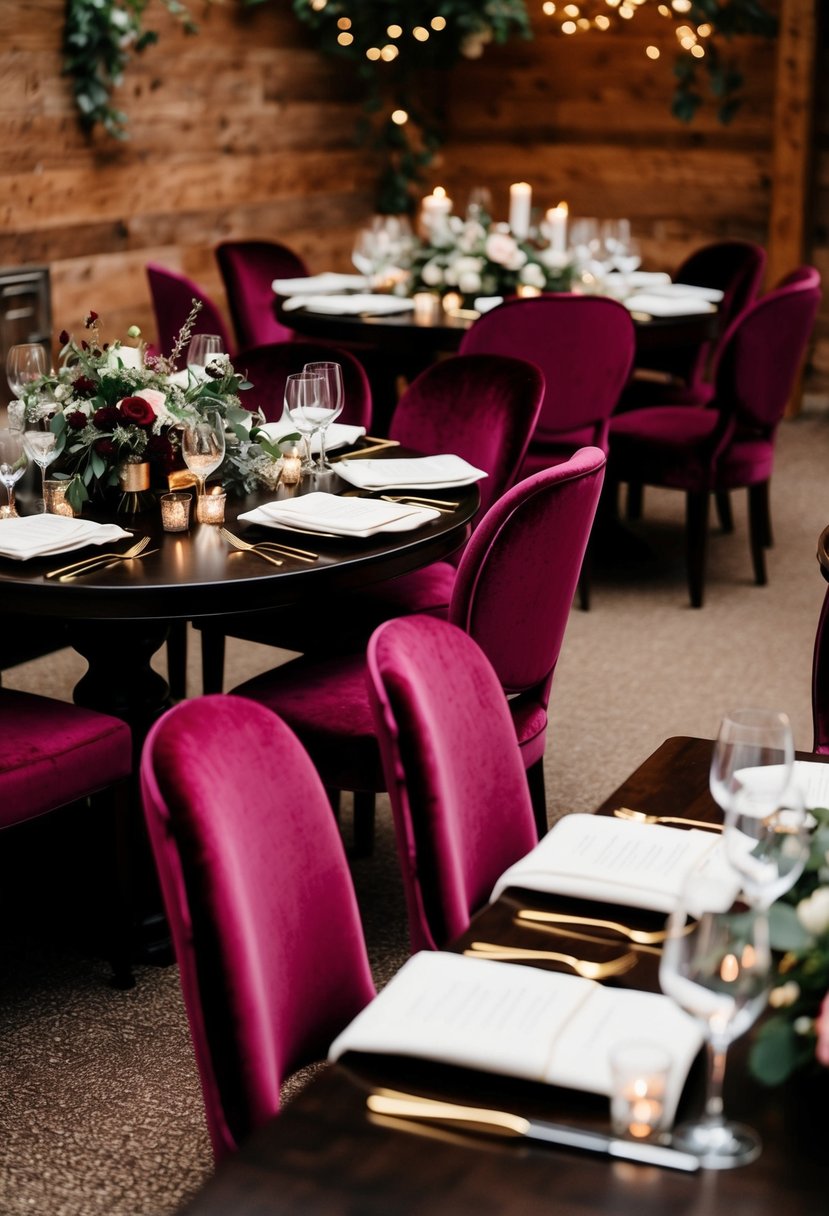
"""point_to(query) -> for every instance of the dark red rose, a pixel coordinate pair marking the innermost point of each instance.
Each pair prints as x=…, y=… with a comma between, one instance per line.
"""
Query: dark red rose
x=106, y=418
x=63, y=337
x=104, y=447
x=84, y=345
x=85, y=386
x=161, y=452
x=137, y=411
x=77, y=420
x=91, y=319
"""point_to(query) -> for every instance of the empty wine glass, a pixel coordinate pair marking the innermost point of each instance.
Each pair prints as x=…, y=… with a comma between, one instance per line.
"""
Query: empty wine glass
x=332, y=400
x=303, y=398
x=716, y=965
x=201, y=351
x=13, y=462
x=25, y=363
x=40, y=442
x=753, y=755
x=203, y=446
x=767, y=848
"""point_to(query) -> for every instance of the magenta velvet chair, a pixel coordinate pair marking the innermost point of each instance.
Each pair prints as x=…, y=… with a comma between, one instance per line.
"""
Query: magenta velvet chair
x=512, y=594
x=682, y=374
x=462, y=812
x=820, y=665
x=172, y=296
x=268, y=367
x=729, y=444
x=53, y=754
x=260, y=903
x=248, y=269
x=584, y=347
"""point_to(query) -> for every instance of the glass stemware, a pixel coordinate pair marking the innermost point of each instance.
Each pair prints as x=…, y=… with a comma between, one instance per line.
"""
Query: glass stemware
x=332, y=400
x=753, y=756
x=200, y=352
x=40, y=442
x=303, y=405
x=25, y=363
x=716, y=965
x=767, y=848
x=13, y=462
x=203, y=447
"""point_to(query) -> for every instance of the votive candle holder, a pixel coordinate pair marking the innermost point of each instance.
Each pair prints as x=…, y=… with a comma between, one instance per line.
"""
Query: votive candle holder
x=175, y=512
x=54, y=494
x=210, y=507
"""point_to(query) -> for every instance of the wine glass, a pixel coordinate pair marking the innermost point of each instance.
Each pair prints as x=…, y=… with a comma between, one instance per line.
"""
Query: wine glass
x=753, y=756
x=332, y=402
x=203, y=446
x=25, y=363
x=200, y=352
x=13, y=462
x=303, y=405
x=716, y=965
x=767, y=848
x=40, y=442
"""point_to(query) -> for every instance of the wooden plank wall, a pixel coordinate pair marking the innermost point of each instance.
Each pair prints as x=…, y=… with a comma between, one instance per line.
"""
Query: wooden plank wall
x=246, y=131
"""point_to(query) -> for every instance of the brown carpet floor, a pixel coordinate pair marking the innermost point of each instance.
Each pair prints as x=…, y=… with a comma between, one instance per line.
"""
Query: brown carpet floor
x=100, y=1110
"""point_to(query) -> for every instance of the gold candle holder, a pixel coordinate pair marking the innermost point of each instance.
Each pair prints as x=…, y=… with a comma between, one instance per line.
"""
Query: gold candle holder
x=291, y=467
x=210, y=507
x=175, y=512
x=54, y=494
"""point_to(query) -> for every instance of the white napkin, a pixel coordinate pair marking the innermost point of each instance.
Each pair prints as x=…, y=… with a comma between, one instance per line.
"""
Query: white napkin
x=339, y=435
x=362, y=304
x=712, y=295
x=640, y=865
x=42, y=535
x=646, y=278
x=812, y=778
x=359, y=517
x=319, y=283
x=487, y=303
x=682, y=305
x=411, y=473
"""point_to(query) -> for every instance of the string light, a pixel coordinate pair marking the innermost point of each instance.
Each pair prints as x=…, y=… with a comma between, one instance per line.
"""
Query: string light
x=345, y=39
x=548, y=8
x=420, y=33
x=394, y=31
x=438, y=23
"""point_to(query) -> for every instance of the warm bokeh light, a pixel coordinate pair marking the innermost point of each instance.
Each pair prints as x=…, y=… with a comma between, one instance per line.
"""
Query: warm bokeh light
x=602, y=22
x=345, y=39
x=400, y=117
x=697, y=51
x=438, y=23
x=548, y=8
x=652, y=52
x=388, y=53
x=394, y=31
x=569, y=27
x=571, y=10
x=373, y=53
x=420, y=33
x=344, y=23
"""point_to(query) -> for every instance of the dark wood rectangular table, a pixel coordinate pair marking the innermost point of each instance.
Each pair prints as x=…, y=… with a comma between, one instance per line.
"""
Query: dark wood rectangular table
x=327, y=1156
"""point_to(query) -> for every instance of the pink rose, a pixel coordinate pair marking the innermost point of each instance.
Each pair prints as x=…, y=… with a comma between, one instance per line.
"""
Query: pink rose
x=822, y=1030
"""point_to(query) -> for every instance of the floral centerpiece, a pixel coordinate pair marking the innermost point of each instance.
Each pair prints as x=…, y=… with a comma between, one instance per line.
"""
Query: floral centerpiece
x=111, y=405
x=475, y=257
x=795, y=1037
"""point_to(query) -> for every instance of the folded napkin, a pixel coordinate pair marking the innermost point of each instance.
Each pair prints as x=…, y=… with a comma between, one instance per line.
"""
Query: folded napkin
x=682, y=305
x=358, y=517
x=411, y=473
x=712, y=295
x=339, y=434
x=43, y=535
x=646, y=278
x=319, y=283
x=518, y=1021
x=487, y=303
x=640, y=865
x=812, y=778
x=362, y=304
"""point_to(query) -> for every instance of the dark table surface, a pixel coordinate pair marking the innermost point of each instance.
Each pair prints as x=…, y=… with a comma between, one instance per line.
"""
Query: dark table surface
x=326, y=1155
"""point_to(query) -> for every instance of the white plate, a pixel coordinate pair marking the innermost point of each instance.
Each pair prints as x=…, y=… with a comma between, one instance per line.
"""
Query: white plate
x=334, y=515
x=319, y=284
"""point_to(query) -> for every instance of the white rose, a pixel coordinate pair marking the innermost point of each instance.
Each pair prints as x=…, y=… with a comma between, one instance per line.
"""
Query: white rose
x=432, y=274
x=532, y=275
x=813, y=912
x=469, y=281
x=500, y=248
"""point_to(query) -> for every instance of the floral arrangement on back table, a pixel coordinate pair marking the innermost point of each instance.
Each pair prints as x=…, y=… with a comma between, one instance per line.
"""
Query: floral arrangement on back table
x=111, y=405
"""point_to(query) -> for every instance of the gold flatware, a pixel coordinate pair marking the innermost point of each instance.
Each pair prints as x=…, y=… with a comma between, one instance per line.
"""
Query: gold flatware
x=433, y=504
x=112, y=561
x=301, y=555
x=596, y=938
x=377, y=445
x=133, y=551
x=582, y=966
x=625, y=812
x=642, y=937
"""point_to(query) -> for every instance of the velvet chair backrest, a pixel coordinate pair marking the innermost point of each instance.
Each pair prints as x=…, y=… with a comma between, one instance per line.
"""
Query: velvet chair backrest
x=268, y=367
x=519, y=571
x=259, y=900
x=583, y=345
x=458, y=789
x=762, y=352
x=172, y=296
x=248, y=269
x=820, y=681
x=480, y=407
x=807, y=276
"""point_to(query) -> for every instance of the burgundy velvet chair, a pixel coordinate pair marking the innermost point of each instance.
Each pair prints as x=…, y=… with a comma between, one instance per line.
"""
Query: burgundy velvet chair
x=481, y=407
x=512, y=594
x=248, y=269
x=53, y=754
x=260, y=903
x=172, y=296
x=729, y=444
x=683, y=374
x=820, y=667
x=268, y=367
x=462, y=812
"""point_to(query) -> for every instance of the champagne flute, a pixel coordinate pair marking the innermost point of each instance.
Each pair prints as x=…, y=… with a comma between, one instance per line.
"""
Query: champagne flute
x=303, y=396
x=13, y=462
x=716, y=965
x=203, y=446
x=40, y=442
x=200, y=352
x=332, y=402
x=25, y=363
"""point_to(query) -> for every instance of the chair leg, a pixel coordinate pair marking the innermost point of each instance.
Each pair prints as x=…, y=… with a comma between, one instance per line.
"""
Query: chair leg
x=759, y=526
x=538, y=796
x=636, y=494
x=584, y=581
x=726, y=518
x=110, y=813
x=363, y=823
x=177, y=660
x=212, y=661
x=696, y=537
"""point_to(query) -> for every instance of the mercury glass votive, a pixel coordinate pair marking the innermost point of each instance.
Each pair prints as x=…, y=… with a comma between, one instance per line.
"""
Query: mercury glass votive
x=426, y=307
x=210, y=507
x=639, y=1073
x=54, y=494
x=291, y=467
x=175, y=512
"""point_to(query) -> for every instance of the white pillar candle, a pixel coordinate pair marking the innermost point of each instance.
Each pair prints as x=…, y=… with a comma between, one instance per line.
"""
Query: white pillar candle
x=435, y=207
x=556, y=227
x=520, y=206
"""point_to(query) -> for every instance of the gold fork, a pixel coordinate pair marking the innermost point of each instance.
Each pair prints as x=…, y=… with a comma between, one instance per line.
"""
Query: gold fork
x=301, y=555
x=445, y=508
x=625, y=812
x=582, y=966
x=89, y=562
x=642, y=937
